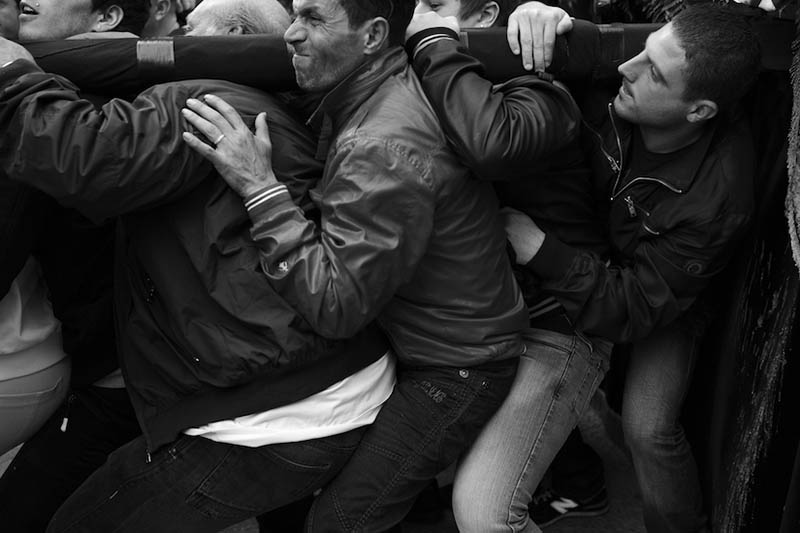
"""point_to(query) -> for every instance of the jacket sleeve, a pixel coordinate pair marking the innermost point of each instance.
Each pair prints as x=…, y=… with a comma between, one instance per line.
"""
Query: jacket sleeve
x=499, y=132
x=104, y=162
x=375, y=223
x=624, y=303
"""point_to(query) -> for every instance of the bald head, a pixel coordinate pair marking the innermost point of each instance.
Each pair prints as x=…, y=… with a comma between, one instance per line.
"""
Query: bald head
x=238, y=17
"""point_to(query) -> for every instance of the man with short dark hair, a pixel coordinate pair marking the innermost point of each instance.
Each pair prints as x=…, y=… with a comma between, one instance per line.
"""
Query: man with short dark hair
x=672, y=163
x=406, y=236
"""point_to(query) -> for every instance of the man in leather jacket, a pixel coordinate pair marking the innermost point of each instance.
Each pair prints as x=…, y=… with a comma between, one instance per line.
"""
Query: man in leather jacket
x=668, y=198
x=406, y=236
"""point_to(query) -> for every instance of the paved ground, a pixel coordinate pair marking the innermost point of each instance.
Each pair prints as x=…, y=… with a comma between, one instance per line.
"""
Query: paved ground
x=602, y=431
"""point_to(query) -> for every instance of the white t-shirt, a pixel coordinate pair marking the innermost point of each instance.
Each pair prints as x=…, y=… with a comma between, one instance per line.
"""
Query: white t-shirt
x=348, y=404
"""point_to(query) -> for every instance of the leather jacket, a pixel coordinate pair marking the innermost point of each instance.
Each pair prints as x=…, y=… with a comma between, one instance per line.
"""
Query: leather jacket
x=203, y=336
x=406, y=235
x=671, y=228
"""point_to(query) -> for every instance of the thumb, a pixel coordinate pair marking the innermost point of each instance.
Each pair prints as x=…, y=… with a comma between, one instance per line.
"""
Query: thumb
x=262, y=130
x=564, y=25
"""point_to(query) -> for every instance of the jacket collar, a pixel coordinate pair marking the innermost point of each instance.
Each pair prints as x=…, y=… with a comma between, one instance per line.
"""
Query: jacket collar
x=679, y=172
x=350, y=93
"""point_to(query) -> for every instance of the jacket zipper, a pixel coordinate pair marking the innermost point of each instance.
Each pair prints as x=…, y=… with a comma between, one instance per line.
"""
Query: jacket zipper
x=616, y=166
x=646, y=178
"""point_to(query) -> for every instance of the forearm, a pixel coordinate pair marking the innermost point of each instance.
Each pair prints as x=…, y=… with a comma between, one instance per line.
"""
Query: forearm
x=339, y=274
x=103, y=162
x=499, y=132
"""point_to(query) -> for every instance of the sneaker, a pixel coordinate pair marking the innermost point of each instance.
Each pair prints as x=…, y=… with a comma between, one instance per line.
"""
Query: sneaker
x=548, y=507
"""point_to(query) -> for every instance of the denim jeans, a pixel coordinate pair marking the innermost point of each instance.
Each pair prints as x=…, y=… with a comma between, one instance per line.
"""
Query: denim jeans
x=433, y=414
x=494, y=483
x=197, y=485
x=659, y=376
x=57, y=459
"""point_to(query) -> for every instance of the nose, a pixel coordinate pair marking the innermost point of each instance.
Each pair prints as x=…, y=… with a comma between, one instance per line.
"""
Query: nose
x=631, y=68
x=294, y=33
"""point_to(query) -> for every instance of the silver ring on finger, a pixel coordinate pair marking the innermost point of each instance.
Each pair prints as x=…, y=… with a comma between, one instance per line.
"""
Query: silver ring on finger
x=219, y=139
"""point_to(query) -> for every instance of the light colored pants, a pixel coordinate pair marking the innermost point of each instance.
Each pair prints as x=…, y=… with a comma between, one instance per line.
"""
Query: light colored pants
x=494, y=483
x=29, y=398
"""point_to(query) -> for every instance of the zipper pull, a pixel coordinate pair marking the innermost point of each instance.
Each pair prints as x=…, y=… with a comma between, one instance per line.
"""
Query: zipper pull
x=147, y=457
x=631, y=207
x=65, y=420
x=614, y=164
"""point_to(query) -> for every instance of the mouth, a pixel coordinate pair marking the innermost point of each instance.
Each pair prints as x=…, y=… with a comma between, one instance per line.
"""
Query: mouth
x=27, y=9
x=624, y=91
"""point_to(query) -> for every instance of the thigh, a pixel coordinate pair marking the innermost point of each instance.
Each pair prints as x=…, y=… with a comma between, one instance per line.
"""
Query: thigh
x=659, y=375
x=58, y=458
x=431, y=416
x=496, y=479
x=197, y=485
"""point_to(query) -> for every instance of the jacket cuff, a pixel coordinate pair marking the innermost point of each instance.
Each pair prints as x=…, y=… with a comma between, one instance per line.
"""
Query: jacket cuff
x=553, y=259
x=424, y=38
x=266, y=199
x=13, y=70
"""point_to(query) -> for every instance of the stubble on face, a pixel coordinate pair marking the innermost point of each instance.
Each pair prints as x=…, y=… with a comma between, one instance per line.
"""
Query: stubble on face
x=329, y=49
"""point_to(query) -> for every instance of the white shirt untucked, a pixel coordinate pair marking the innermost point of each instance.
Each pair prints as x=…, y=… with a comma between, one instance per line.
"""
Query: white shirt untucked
x=348, y=404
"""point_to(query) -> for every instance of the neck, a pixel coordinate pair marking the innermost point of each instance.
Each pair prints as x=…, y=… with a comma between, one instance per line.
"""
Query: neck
x=668, y=140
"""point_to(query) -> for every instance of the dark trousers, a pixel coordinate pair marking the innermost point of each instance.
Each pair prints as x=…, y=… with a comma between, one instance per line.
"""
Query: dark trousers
x=197, y=485
x=53, y=463
x=432, y=416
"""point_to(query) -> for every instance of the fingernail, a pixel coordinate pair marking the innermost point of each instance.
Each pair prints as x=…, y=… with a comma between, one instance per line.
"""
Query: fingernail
x=191, y=101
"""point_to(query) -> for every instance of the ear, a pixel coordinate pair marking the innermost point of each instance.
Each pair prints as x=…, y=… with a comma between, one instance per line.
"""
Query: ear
x=702, y=110
x=376, y=35
x=488, y=15
x=108, y=19
x=160, y=9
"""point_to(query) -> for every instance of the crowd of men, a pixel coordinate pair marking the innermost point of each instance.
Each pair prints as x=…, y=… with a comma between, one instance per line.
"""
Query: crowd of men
x=331, y=295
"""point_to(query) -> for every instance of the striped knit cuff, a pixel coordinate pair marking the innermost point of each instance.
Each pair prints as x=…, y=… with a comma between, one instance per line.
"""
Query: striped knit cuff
x=424, y=38
x=264, y=195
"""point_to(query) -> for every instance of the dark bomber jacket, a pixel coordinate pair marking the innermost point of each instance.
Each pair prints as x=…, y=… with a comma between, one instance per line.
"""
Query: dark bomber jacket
x=671, y=229
x=203, y=336
x=623, y=254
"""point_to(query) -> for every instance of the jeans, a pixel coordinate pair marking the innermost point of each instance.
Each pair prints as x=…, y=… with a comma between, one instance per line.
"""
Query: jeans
x=494, y=483
x=659, y=376
x=433, y=414
x=197, y=485
x=58, y=458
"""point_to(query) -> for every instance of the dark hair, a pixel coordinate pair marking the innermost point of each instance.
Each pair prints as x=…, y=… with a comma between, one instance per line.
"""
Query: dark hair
x=723, y=55
x=135, y=13
x=397, y=12
x=470, y=7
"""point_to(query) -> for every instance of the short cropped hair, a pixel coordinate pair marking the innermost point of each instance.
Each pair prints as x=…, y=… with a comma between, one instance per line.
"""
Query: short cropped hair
x=397, y=12
x=135, y=13
x=470, y=7
x=723, y=55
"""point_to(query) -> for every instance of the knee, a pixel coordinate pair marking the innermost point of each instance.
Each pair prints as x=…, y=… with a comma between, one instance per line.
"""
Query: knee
x=478, y=512
x=644, y=435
